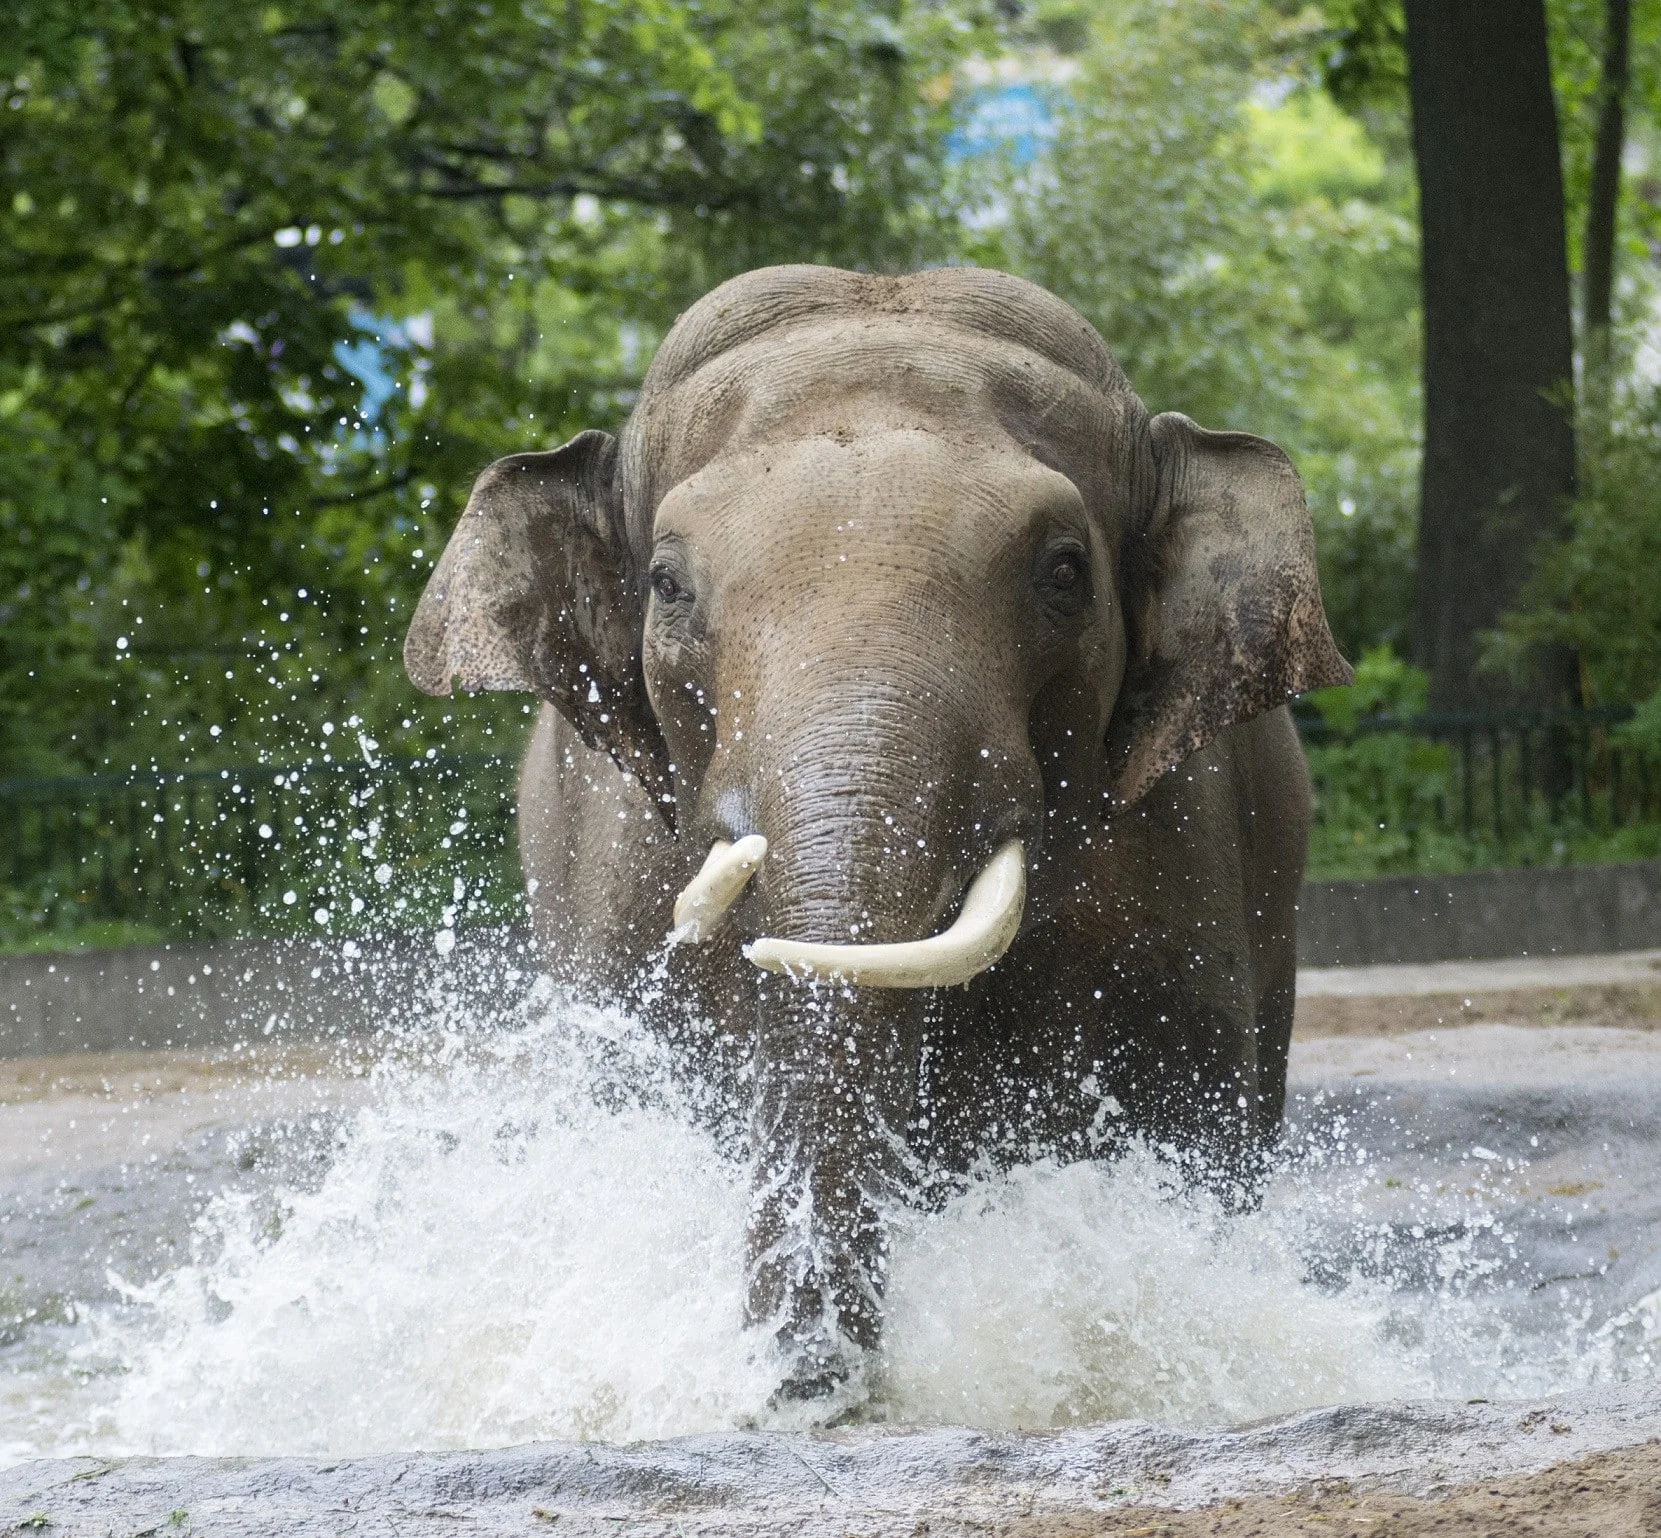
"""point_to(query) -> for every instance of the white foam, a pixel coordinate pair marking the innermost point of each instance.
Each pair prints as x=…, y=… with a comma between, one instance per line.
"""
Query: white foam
x=1056, y=1295
x=493, y=1257
x=529, y=1234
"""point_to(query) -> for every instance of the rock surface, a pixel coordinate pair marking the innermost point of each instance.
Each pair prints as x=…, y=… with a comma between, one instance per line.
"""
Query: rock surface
x=870, y=1481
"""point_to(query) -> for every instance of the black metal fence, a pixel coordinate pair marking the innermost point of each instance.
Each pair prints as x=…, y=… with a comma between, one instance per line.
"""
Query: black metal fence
x=1499, y=778
x=329, y=845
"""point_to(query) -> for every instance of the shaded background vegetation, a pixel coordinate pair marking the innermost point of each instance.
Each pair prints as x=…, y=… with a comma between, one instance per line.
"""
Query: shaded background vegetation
x=276, y=281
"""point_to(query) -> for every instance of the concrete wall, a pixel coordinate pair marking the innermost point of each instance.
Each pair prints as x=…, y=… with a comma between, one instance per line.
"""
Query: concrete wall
x=210, y=995
x=216, y=994
x=1480, y=915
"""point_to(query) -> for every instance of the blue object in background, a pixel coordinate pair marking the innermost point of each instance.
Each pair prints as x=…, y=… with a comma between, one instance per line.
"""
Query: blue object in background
x=368, y=358
x=365, y=361
x=1014, y=119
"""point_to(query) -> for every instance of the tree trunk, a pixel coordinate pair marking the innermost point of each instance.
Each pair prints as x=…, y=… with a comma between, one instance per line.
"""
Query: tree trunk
x=1499, y=453
x=1598, y=261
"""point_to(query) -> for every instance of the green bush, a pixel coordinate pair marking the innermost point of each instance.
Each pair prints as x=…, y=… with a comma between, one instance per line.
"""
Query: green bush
x=1596, y=593
x=1379, y=794
x=1388, y=801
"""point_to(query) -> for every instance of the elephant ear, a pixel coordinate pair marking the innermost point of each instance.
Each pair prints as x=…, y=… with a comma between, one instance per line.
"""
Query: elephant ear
x=536, y=591
x=1225, y=602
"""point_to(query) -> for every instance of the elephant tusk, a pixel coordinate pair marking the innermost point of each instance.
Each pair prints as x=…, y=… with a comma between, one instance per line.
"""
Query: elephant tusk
x=990, y=916
x=704, y=903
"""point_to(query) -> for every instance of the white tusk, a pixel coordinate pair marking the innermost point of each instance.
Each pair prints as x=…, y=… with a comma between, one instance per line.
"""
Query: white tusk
x=701, y=907
x=980, y=935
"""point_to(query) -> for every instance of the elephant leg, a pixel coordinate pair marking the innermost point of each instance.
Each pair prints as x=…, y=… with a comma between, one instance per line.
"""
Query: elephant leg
x=1275, y=1010
x=835, y=1081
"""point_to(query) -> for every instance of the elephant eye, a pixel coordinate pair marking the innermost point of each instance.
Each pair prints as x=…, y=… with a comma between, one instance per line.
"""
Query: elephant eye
x=1062, y=577
x=665, y=585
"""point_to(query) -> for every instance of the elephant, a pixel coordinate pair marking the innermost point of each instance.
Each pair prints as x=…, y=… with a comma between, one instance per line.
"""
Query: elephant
x=932, y=696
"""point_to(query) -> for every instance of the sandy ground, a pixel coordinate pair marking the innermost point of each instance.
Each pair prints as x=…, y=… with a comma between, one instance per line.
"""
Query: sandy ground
x=92, y=1108
x=1609, y=1495
x=1482, y=976
x=1620, y=990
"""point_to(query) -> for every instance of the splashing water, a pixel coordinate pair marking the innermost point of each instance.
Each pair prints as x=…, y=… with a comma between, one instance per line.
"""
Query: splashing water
x=536, y=1232
x=1054, y=1295
x=528, y=1237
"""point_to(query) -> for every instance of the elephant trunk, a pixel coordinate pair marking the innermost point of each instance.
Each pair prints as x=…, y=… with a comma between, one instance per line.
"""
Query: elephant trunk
x=866, y=849
x=852, y=824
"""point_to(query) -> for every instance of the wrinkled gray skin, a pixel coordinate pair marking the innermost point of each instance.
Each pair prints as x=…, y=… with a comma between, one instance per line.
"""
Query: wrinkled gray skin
x=891, y=570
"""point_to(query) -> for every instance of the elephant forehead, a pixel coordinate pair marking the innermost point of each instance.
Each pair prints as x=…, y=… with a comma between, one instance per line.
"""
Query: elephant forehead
x=845, y=377
x=990, y=303
x=887, y=494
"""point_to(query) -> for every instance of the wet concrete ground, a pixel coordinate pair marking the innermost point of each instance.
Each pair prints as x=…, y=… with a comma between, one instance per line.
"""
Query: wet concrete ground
x=106, y=1158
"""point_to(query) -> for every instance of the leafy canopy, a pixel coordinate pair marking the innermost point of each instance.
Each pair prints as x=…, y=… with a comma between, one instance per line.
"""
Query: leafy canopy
x=277, y=279
x=1248, y=250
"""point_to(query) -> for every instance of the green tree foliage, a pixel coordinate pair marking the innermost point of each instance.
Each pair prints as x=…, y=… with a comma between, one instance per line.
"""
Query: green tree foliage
x=276, y=280
x=1363, y=58
x=1577, y=56
x=1247, y=248
x=1595, y=593
x=1598, y=592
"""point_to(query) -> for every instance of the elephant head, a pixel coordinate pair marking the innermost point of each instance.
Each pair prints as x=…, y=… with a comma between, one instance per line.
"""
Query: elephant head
x=889, y=591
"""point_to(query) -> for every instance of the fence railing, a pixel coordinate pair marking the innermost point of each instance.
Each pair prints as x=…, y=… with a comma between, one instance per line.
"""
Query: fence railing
x=1498, y=778
x=337, y=845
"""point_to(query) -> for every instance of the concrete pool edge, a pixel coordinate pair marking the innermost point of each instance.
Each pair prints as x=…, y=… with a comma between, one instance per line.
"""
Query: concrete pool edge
x=887, y=1479
x=215, y=996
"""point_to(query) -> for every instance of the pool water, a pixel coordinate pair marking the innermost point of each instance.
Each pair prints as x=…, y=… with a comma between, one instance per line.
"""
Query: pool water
x=517, y=1228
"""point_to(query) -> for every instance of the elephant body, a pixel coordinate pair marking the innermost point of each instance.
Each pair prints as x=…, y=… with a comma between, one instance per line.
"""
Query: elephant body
x=897, y=574
x=1169, y=965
